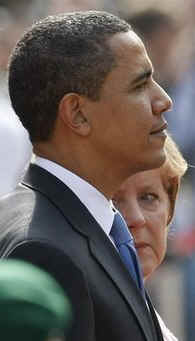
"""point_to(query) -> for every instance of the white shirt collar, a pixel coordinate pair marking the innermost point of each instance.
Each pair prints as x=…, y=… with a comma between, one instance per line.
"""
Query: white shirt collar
x=97, y=204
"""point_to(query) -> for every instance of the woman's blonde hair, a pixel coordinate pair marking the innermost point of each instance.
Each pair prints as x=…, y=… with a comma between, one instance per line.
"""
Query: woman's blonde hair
x=173, y=169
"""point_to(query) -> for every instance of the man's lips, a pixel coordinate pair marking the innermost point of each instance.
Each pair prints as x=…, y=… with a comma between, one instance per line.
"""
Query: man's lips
x=160, y=129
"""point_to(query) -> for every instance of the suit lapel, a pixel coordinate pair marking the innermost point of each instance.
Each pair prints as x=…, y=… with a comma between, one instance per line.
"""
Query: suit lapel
x=101, y=248
x=154, y=318
x=108, y=257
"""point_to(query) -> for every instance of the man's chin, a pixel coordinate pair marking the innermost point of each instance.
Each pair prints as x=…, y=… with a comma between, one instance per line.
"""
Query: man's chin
x=152, y=163
x=157, y=160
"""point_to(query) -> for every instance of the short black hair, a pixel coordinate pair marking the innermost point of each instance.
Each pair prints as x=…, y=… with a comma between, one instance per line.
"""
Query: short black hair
x=58, y=55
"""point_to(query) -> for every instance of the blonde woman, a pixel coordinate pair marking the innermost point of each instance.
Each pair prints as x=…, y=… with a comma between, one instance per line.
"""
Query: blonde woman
x=147, y=202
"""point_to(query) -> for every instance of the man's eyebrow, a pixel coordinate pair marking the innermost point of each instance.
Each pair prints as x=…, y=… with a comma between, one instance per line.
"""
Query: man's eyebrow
x=143, y=75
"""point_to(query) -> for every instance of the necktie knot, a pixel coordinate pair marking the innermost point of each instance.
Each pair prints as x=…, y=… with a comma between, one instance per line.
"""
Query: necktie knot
x=119, y=231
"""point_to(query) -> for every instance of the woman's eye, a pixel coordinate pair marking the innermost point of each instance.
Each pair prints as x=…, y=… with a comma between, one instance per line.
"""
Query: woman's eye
x=149, y=197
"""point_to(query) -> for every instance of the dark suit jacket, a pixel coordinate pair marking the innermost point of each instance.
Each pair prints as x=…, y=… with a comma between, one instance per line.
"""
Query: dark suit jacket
x=43, y=222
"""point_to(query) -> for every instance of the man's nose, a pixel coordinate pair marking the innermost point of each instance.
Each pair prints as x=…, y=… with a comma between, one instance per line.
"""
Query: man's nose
x=161, y=101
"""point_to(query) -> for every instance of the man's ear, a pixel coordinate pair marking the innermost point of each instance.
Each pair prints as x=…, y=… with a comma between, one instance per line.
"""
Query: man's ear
x=72, y=114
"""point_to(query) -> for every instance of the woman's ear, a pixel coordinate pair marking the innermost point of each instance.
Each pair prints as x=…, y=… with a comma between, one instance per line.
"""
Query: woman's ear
x=72, y=114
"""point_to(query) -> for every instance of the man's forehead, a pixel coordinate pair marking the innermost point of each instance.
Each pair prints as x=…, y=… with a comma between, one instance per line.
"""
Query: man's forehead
x=129, y=48
x=131, y=59
x=122, y=40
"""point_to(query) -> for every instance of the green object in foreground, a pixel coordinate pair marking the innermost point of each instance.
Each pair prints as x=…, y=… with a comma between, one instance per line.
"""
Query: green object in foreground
x=32, y=304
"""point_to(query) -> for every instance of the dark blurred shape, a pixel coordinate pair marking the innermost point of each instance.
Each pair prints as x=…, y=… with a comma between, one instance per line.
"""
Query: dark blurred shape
x=151, y=20
x=32, y=304
x=25, y=11
x=15, y=4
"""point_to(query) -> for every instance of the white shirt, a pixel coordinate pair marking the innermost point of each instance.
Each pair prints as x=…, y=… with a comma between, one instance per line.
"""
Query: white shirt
x=97, y=204
x=167, y=334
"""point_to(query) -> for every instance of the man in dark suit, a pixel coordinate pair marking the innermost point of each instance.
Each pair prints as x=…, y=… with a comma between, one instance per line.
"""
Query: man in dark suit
x=82, y=85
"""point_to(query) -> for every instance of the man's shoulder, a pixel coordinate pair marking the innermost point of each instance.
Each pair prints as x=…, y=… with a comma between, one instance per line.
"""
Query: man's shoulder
x=20, y=208
x=21, y=199
x=27, y=215
x=21, y=196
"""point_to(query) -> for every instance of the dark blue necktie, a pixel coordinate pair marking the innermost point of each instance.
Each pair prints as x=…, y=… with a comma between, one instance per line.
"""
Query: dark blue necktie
x=125, y=245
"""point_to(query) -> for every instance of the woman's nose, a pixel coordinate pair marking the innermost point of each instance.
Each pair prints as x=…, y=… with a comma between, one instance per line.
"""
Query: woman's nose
x=135, y=219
